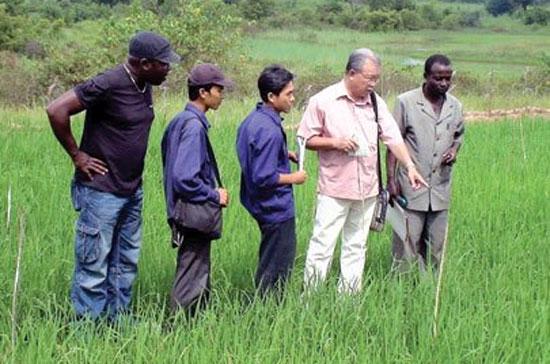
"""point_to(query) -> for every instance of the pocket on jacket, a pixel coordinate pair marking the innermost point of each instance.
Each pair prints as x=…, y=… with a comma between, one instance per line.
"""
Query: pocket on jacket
x=87, y=243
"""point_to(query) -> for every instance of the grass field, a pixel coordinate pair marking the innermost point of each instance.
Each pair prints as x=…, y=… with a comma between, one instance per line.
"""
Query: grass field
x=492, y=68
x=495, y=298
x=474, y=51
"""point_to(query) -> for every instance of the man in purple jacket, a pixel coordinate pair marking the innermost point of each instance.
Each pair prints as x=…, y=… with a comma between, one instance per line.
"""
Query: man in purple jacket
x=189, y=175
x=266, y=178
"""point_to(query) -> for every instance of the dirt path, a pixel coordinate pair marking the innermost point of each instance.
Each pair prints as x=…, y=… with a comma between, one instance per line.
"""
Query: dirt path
x=499, y=114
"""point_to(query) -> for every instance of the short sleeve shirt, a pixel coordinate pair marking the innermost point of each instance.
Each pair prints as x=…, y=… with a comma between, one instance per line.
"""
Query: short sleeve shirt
x=333, y=113
x=116, y=129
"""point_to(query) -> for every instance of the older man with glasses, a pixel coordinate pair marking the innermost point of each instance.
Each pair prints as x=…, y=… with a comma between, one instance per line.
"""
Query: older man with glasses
x=340, y=124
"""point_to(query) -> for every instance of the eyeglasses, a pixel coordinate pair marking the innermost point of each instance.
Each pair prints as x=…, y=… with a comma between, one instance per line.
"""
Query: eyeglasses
x=370, y=78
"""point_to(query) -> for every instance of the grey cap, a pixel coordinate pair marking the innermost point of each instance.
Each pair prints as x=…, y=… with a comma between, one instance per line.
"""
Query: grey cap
x=152, y=46
x=208, y=74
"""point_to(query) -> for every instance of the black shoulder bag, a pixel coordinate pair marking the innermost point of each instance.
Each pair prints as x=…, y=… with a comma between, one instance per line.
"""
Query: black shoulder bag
x=381, y=206
x=200, y=219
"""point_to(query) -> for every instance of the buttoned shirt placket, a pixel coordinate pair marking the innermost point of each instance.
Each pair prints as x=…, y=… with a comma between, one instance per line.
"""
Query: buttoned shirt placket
x=427, y=109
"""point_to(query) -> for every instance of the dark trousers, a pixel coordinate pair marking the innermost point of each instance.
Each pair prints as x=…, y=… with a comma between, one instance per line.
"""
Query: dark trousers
x=277, y=252
x=191, y=288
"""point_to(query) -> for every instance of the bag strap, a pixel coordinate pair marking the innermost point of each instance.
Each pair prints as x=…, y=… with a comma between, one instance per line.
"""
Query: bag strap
x=378, y=168
x=209, y=150
x=215, y=163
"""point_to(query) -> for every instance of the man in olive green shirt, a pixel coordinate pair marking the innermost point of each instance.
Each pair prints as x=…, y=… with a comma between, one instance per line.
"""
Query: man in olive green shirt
x=432, y=126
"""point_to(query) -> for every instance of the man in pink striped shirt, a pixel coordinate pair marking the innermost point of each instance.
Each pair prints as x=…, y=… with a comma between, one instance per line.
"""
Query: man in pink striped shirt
x=339, y=124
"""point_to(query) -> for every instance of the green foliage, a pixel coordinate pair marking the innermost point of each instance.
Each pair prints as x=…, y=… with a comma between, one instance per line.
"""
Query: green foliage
x=451, y=21
x=466, y=1
x=391, y=4
x=470, y=19
x=536, y=15
x=198, y=30
x=380, y=20
x=495, y=298
x=17, y=30
x=525, y=3
x=431, y=14
x=329, y=12
x=536, y=80
x=69, y=11
x=257, y=9
x=112, y=2
x=499, y=7
x=411, y=20
x=19, y=80
x=60, y=53
x=10, y=38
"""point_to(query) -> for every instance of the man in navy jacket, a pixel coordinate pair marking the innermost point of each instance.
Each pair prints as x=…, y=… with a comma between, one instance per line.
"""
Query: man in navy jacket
x=266, y=178
x=189, y=175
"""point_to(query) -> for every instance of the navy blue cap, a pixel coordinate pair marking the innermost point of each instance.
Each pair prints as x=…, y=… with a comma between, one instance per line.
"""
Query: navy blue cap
x=152, y=46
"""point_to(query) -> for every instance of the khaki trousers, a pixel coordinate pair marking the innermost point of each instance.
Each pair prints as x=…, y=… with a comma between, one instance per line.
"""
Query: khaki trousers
x=425, y=243
x=351, y=218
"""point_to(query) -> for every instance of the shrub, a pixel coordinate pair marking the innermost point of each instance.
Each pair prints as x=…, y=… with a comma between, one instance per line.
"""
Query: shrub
x=451, y=21
x=9, y=25
x=536, y=79
x=257, y=9
x=17, y=73
x=69, y=11
x=391, y=4
x=536, y=15
x=331, y=10
x=353, y=19
x=16, y=31
x=410, y=20
x=430, y=14
x=198, y=30
x=306, y=16
x=499, y=7
x=470, y=19
x=382, y=20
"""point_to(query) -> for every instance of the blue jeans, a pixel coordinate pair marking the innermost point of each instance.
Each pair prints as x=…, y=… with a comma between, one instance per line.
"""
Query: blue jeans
x=107, y=244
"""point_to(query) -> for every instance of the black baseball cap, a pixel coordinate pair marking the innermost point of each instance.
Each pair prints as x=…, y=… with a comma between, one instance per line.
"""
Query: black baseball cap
x=208, y=74
x=152, y=46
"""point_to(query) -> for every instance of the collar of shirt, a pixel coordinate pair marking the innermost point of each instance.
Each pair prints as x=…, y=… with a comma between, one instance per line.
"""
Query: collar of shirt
x=202, y=116
x=269, y=111
x=342, y=91
x=422, y=100
x=427, y=105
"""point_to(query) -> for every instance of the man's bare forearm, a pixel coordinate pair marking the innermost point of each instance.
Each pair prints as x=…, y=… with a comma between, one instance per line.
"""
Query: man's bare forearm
x=327, y=143
x=59, y=113
x=320, y=143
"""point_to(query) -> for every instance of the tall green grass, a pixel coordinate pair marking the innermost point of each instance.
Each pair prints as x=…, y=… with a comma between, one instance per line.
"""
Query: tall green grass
x=495, y=298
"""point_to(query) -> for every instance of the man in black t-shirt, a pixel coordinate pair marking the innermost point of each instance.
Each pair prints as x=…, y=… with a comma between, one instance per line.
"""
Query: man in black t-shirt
x=106, y=189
